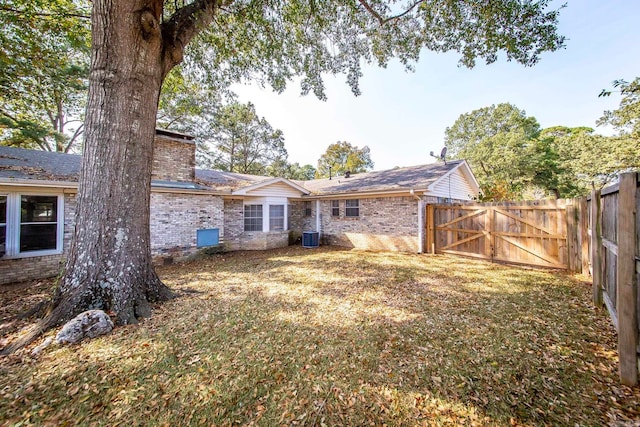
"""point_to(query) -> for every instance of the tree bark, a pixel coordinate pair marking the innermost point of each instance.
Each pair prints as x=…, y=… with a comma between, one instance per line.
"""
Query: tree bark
x=109, y=265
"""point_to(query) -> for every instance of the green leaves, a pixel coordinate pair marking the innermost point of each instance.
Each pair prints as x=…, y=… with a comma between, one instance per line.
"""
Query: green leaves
x=244, y=142
x=44, y=67
x=273, y=42
x=499, y=143
x=342, y=157
x=514, y=159
x=626, y=119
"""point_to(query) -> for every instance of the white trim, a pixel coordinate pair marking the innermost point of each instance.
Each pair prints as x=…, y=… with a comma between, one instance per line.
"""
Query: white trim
x=421, y=230
x=13, y=225
x=265, y=202
x=67, y=186
x=243, y=191
x=37, y=183
x=318, y=219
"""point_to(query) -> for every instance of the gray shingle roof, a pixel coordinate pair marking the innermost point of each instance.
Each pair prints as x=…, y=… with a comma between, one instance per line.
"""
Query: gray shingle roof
x=18, y=163
x=228, y=181
x=416, y=177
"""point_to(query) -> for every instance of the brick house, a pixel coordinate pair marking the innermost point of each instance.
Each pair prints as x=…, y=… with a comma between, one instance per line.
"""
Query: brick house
x=192, y=209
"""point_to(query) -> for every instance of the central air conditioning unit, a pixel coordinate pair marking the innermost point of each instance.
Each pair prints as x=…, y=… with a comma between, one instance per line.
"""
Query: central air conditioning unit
x=310, y=239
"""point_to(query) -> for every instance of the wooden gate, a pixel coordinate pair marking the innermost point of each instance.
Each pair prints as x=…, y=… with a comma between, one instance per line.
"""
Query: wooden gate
x=524, y=233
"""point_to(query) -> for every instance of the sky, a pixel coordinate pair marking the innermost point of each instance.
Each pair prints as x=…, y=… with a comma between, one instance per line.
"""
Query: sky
x=402, y=116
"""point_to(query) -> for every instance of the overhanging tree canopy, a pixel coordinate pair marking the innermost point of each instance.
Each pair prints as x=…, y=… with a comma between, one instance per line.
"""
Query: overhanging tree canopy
x=137, y=42
x=43, y=72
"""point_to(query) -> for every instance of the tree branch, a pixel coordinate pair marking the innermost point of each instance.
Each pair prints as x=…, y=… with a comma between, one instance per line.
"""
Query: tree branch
x=76, y=134
x=43, y=14
x=183, y=26
x=382, y=20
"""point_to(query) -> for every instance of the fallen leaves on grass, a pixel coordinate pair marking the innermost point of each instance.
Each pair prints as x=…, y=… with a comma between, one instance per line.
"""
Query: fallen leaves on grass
x=336, y=337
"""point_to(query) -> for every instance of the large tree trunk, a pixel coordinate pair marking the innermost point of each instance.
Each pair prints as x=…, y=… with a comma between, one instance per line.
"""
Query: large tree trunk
x=109, y=266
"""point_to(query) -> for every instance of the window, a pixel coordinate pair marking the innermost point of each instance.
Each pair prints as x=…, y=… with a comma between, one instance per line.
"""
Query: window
x=276, y=217
x=307, y=208
x=3, y=225
x=30, y=225
x=335, y=208
x=352, y=208
x=38, y=223
x=252, y=217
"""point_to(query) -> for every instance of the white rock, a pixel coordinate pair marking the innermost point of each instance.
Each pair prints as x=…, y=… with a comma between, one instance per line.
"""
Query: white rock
x=89, y=324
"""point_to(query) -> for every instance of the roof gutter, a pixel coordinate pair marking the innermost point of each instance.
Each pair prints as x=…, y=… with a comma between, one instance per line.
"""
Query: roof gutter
x=357, y=194
x=35, y=183
x=71, y=185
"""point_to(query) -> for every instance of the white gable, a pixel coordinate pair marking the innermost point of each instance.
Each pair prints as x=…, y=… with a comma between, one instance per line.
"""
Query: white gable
x=276, y=189
x=454, y=185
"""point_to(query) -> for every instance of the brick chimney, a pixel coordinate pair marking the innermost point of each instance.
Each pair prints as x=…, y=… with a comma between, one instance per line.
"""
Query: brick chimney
x=174, y=157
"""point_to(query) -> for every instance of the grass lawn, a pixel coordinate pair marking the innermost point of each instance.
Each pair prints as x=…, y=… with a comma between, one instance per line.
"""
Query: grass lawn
x=333, y=337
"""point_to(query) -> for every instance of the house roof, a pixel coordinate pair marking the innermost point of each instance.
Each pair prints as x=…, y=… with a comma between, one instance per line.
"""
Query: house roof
x=419, y=177
x=228, y=181
x=19, y=164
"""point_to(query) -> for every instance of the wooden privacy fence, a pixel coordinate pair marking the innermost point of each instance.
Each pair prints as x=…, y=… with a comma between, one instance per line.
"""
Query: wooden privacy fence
x=532, y=233
x=598, y=235
x=615, y=262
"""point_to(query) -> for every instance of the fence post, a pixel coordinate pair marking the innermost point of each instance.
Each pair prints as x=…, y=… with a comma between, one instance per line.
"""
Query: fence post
x=430, y=234
x=573, y=253
x=627, y=297
x=584, y=235
x=596, y=248
x=489, y=245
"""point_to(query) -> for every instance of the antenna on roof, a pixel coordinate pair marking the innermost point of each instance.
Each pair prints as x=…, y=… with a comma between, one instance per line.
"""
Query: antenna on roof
x=442, y=156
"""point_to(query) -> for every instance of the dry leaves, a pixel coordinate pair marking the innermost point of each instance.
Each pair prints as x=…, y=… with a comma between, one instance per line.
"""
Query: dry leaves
x=336, y=337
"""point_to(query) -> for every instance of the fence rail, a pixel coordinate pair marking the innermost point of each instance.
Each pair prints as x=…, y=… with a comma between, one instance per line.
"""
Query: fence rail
x=599, y=235
x=532, y=233
x=615, y=264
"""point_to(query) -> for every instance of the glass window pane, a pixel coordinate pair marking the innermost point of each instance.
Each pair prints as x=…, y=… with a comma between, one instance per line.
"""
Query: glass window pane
x=3, y=239
x=3, y=209
x=38, y=237
x=335, y=208
x=352, y=207
x=253, y=218
x=39, y=209
x=276, y=217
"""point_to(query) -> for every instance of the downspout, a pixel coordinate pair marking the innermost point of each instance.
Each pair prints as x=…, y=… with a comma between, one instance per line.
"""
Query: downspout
x=318, y=223
x=420, y=221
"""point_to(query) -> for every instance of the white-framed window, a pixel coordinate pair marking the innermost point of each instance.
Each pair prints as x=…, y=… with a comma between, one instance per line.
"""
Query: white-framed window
x=307, y=209
x=31, y=224
x=252, y=217
x=276, y=217
x=352, y=208
x=266, y=214
x=3, y=224
x=335, y=208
